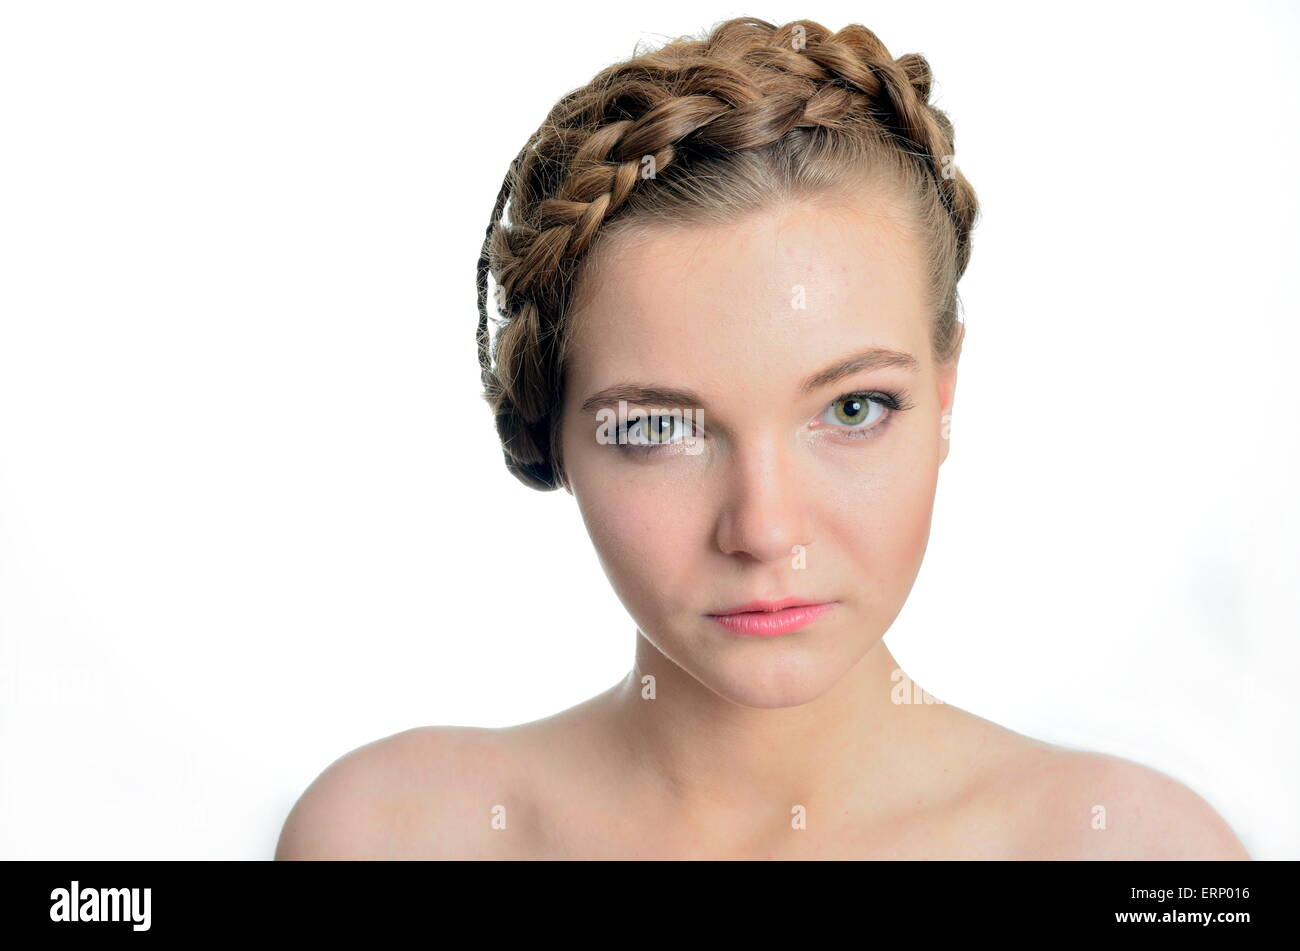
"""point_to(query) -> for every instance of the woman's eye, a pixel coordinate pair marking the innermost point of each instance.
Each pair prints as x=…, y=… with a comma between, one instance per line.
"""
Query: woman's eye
x=650, y=431
x=858, y=411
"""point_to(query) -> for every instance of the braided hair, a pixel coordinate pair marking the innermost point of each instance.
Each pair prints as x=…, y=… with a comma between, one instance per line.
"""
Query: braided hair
x=723, y=124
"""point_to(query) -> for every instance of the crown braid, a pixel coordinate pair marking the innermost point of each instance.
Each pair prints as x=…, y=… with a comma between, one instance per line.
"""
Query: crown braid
x=747, y=86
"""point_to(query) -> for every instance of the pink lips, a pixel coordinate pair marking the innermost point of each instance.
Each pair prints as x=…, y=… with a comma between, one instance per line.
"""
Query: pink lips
x=770, y=618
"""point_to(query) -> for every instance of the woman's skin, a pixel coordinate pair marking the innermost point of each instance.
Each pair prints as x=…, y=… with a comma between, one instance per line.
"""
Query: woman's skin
x=744, y=737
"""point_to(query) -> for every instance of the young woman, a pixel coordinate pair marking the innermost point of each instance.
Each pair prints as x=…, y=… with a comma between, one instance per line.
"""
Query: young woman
x=728, y=298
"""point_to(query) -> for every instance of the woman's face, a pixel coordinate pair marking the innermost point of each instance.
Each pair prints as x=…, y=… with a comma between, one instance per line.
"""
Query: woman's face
x=787, y=488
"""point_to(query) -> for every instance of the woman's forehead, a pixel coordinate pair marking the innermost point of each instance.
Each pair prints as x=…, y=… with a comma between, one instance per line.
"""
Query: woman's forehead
x=827, y=250
x=790, y=289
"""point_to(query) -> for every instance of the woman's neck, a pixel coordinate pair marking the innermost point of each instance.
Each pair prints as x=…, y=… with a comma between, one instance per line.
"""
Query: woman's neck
x=866, y=748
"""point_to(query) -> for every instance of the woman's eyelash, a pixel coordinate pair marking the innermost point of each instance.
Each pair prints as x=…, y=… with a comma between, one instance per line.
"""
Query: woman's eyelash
x=893, y=399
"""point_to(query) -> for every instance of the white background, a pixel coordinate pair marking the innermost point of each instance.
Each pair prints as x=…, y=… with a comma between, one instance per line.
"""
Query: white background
x=253, y=512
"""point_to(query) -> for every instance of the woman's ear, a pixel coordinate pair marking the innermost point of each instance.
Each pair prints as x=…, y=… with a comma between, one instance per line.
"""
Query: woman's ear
x=561, y=479
x=947, y=394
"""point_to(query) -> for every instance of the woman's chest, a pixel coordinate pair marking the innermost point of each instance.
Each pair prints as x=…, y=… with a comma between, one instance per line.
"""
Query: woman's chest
x=584, y=828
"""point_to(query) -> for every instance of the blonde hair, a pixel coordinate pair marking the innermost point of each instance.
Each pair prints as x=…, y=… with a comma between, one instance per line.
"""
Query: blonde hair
x=726, y=124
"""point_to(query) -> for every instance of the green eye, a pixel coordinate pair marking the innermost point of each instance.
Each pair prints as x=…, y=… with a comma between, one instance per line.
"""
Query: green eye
x=854, y=410
x=654, y=430
x=661, y=429
x=860, y=414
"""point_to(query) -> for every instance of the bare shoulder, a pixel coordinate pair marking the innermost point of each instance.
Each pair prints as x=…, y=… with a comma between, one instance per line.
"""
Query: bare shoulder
x=1029, y=799
x=430, y=792
x=1084, y=805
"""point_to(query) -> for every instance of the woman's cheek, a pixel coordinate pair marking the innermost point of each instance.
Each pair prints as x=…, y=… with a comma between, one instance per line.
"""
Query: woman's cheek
x=907, y=531
x=882, y=525
x=641, y=542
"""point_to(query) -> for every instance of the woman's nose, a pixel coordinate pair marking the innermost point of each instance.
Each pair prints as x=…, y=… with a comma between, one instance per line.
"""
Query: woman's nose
x=765, y=504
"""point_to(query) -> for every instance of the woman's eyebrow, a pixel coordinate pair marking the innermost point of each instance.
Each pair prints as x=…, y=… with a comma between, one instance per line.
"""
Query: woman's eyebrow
x=641, y=394
x=648, y=394
x=874, y=358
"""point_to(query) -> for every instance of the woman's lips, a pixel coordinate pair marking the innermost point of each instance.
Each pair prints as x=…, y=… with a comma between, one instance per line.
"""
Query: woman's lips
x=771, y=623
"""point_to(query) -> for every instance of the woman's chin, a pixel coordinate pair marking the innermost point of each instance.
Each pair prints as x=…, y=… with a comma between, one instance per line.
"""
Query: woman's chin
x=786, y=677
